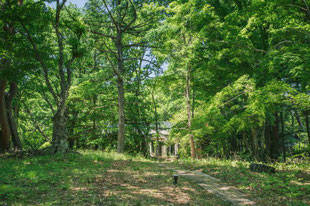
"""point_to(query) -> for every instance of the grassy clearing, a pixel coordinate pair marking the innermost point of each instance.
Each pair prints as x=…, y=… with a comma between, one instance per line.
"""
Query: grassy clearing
x=290, y=185
x=94, y=178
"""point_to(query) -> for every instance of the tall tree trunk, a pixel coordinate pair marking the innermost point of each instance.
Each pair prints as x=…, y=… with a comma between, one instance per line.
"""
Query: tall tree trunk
x=283, y=136
x=121, y=115
x=13, y=128
x=307, y=125
x=254, y=144
x=275, y=138
x=5, y=127
x=262, y=142
x=267, y=141
x=156, y=124
x=189, y=115
x=246, y=142
x=60, y=132
x=120, y=83
x=299, y=120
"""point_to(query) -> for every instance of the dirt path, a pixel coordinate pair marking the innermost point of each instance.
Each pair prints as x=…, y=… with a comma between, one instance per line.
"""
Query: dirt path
x=212, y=185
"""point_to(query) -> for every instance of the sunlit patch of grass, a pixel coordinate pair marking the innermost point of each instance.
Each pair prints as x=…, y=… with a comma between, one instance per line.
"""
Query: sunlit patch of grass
x=94, y=178
x=290, y=185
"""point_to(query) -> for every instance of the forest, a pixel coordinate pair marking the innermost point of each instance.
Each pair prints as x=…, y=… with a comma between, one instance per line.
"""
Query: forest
x=189, y=80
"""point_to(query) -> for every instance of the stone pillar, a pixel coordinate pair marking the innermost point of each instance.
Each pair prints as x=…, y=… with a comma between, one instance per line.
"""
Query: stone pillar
x=151, y=149
x=176, y=148
x=164, y=151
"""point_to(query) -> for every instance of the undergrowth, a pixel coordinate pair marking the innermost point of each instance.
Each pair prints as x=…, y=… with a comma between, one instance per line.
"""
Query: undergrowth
x=290, y=185
x=94, y=178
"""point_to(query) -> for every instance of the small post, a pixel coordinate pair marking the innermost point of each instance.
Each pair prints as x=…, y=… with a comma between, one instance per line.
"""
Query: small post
x=175, y=178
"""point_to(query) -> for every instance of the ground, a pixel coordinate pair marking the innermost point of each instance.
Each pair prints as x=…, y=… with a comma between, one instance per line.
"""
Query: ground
x=94, y=178
x=98, y=178
x=290, y=185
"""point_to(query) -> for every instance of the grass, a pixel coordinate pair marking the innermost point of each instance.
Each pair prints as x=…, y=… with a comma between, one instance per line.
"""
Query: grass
x=94, y=178
x=290, y=185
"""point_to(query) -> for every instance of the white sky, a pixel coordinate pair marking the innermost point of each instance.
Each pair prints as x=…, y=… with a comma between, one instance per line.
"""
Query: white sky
x=79, y=3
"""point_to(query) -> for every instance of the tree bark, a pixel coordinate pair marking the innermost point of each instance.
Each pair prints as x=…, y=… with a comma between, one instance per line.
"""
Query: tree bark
x=120, y=82
x=121, y=115
x=12, y=123
x=156, y=119
x=254, y=144
x=307, y=125
x=283, y=137
x=60, y=133
x=275, y=138
x=299, y=120
x=189, y=115
x=267, y=141
x=246, y=142
x=5, y=127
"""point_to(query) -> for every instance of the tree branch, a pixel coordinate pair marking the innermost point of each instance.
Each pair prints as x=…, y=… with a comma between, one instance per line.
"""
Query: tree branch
x=40, y=60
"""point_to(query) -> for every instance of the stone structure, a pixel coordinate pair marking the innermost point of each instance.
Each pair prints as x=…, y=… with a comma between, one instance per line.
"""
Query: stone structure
x=166, y=149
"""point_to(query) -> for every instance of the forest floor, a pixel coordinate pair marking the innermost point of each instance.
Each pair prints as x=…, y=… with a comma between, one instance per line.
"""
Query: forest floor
x=290, y=185
x=98, y=178
x=94, y=178
x=212, y=185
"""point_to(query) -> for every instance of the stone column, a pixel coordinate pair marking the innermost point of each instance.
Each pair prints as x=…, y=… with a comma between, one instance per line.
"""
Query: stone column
x=176, y=148
x=151, y=149
x=164, y=151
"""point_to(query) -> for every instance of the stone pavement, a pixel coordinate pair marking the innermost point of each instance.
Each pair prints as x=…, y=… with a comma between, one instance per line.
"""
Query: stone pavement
x=212, y=185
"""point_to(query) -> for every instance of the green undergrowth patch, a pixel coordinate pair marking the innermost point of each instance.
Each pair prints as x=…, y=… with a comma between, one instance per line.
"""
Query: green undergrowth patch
x=94, y=178
x=290, y=185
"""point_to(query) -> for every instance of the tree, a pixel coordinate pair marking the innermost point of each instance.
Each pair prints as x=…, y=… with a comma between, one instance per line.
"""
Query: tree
x=119, y=30
x=8, y=57
x=65, y=52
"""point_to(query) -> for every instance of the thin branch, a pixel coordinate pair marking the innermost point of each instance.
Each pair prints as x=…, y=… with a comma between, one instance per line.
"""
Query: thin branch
x=232, y=99
x=109, y=12
x=39, y=59
x=134, y=18
x=123, y=17
x=36, y=124
x=282, y=42
x=44, y=96
x=105, y=35
x=307, y=6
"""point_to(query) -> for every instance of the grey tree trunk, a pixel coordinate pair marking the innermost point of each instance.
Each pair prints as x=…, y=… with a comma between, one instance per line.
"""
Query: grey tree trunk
x=156, y=127
x=299, y=120
x=120, y=85
x=283, y=136
x=275, y=140
x=254, y=144
x=60, y=133
x=13, y=128
x=189, y=115
x=121, y=115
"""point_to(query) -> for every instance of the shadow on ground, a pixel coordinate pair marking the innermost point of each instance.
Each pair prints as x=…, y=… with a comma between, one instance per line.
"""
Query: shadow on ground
x=94, y=179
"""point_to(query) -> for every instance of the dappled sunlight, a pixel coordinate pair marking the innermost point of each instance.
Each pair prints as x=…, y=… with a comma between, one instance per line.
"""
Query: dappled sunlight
x=290, y=183
x=226, y=188
x=299, y=183
x=90, y=179
x=79, y=188
x=117, y=182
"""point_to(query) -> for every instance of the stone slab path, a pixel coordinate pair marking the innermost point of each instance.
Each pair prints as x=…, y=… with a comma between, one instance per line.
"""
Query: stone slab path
x=212, y=185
